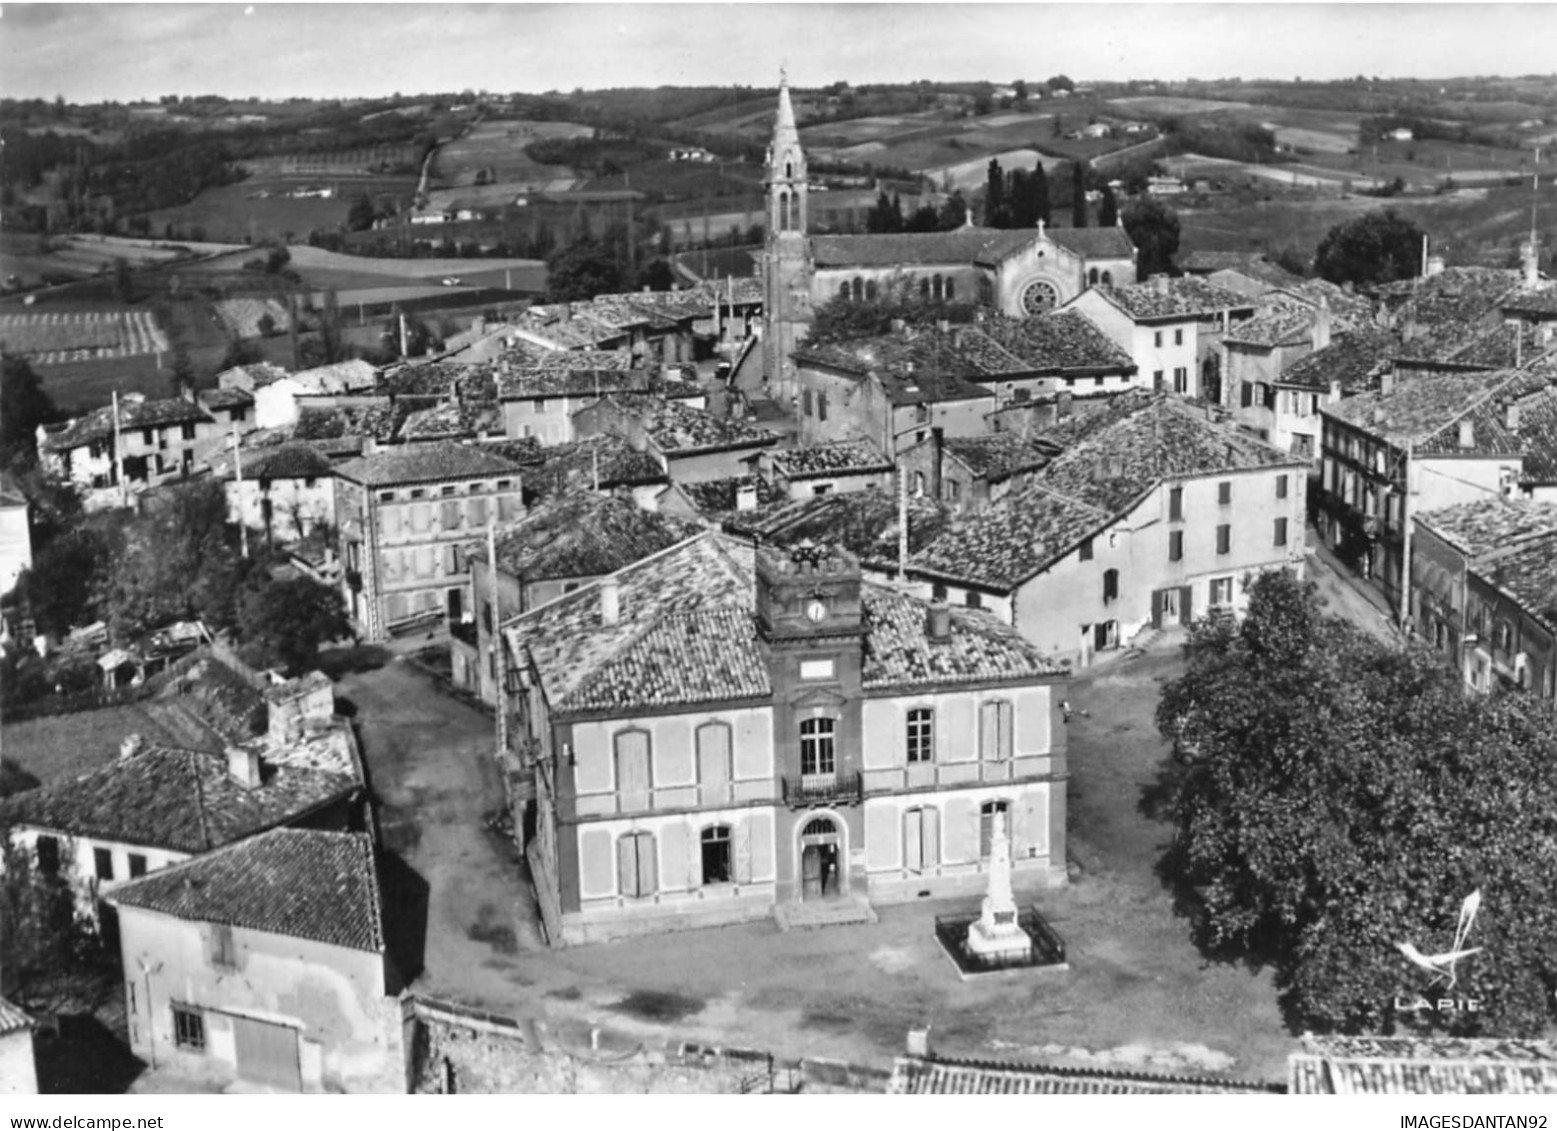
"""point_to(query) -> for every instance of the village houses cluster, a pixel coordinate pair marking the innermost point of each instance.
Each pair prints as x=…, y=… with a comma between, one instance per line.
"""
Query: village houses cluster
x=789, y=637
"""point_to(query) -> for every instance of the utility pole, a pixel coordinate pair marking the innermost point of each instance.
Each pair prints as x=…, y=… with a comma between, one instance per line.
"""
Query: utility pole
x=902, y=525
x=1405, y=544
x=118, y=453
x=499, y=673
x=237, y=463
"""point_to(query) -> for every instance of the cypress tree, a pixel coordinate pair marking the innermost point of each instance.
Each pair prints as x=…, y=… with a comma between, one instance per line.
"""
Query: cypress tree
x=1078, y=202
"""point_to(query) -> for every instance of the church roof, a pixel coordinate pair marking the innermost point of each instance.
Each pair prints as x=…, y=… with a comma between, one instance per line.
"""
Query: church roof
x=958, y=246
x=1094, y=243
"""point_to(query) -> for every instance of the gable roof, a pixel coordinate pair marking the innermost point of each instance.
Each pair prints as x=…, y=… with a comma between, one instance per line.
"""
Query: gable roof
x=959, y=246
x=1182, y=299
x=1426, y=411
x=1060, y=341
x=582, y=534
x=552, y=468
x=716, y=497
x=302, y=883
x=959, y=352
x=1355, y=359
x=865, y=523
x=842, y=457
x=913, y=1075
x=1094, y=243
x=1000, y=455
x=679, y=429
x=423, y=463
x=686, y=634
x=182, y=800
x=98, y=425
x=1393, y=1066
x=294, y=460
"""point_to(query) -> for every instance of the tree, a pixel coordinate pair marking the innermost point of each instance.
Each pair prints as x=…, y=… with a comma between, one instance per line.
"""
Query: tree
x=1020, y=87
x=124, y=282
x=41, y=934
x=26, y=405
x=583, y=269
x=1078, y=194
x=1333, y=796
x=183, y=375
x=286, y=622
x=885, y=216
x=1060, y=82
x=1108, y=211
x=1153, y=228
x=954, y=213
x=995, y=213
x=57, y=589
x=361, y=214
x=1379, y=247
x=658, y=275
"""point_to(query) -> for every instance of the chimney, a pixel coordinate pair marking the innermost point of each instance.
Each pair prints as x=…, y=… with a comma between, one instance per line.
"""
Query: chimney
x=938, y=623
x=1511, y=417
x=1335, y=391
x=746, y=497
x=1467, y=434
x=370, y=445
x=1434, y=265
x=1387, y=382
x=610, y=600
x=131, y=746
x=1160, y=284
x=1530, y=260
x=1321, y=334
x=244, y=766
x=919, y=1043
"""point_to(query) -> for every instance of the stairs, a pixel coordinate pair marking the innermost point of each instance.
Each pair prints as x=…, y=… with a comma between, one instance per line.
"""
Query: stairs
x=813, y=914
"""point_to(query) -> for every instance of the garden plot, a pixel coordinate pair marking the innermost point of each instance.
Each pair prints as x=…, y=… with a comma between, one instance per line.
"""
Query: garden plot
x=52, y=339
x=243, y=317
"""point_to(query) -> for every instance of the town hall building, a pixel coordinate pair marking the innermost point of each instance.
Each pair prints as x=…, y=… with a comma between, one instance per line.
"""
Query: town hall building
x=1018, y=272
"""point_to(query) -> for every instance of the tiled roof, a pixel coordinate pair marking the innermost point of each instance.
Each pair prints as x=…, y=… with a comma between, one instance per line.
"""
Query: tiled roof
x=999, y=456
x=1355, y=359
x=1109, y=460
x=1281, y=326
x=449, y=421
x=1395, y=1066
x=686, y=634
x=183, y=800
x=340, y=377
x=715, y=497
x=521, y=354
x=843, y=456
x=380, y=420
x=98, y=425
x=1457, y=294
x=941, y=1076
x=1426, y=410
x=963, y=352
x=1538, y=436
x=1346, y=306
x=863, y=522
x=958, y=246
x=287, y=461
x=551, y=381
x=441, y=379
x=423, y=463
x=13, y=1019
x=224, y=398
x=1538, y=304
x=1094, y=243
x=681, y=429
x=930, y=388
x=302, y=883
x=1510, y=543
x=1204, y=262
x=1187, y=298
x=1059, y=341
x=582, y=534
x=255, y=376
x=549, y=469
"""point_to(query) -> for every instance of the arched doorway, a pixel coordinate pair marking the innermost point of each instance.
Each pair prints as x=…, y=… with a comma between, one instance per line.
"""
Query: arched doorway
x=821, y=859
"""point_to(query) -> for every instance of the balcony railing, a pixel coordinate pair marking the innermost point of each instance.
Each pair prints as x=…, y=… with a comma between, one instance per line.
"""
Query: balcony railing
x=823, y=789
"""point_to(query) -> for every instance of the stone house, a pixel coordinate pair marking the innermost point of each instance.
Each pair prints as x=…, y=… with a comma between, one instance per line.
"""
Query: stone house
x=690, y=443
x=720, y=734
x=266, y=962
x=151, y=441
x=844, y=465
x=284, y=492
x=968, y=473
x=15, y=534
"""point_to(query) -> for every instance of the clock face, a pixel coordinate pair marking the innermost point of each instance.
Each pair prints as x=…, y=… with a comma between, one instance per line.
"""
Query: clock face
x=816, y=610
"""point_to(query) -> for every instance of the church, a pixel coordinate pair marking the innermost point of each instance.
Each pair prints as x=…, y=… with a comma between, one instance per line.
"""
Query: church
x=1018, y=272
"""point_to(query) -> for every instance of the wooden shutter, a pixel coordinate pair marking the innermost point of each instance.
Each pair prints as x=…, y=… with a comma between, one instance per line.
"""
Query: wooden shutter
x=1003, y=716
x=478, y=511
x=694, y=858
x=1031, y=831
x=627, y=865
x=960, y=831
x=648, y=864
x=596, y=860
x=713, y=762
x=507, y=507
x=673, y=845
x=426, y=563
x=994, y=731
x=632, y=770
x=913, y=844
x=391, y=520
x=761, y=837
x=450, y=518
x=742, y=852
x=930, y=835
x=882, y=838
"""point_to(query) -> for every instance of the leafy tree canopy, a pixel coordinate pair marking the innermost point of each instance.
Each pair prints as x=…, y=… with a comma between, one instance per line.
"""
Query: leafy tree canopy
x=26, y=405
x=1153, y=228
x=1333, y=796
x=1379, y=247
x=583, y=269
x=286, y=622
x=841, y=319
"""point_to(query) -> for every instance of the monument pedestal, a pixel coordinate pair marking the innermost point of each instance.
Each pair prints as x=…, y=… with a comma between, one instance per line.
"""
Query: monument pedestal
x=997, y=934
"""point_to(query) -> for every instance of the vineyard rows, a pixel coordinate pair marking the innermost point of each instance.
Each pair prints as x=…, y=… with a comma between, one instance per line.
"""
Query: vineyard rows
x=53, y=339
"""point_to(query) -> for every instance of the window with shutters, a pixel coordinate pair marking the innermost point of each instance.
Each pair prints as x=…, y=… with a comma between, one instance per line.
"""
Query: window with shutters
x=995, y=730
x=989, y=813
x=1178, y=337
x=1086, y=551
x=1224, y=493
x=421, y=517
x=817, y=754
x=220, y=951
x=103, y=863
x=821, y=406
x=922, y=839
x=1175, y=504
x=1281, y=486
x=1224, y=538
x=1221, y=591
x=188, y=1028
x=973, y=600
x=632, y=770
x=46, y=852
x=921, y=735
x=717, y=855
x=1175, y=545
x=1110, y=585
x=137, y=865
x=478, y=512
x=1157, y=339
x=805, y=401
x=1281, y=532
x=637, y=868
x=713, y=762
x=450, y=518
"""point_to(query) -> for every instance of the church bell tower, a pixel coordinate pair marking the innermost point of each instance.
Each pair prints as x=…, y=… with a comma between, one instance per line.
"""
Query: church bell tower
x=786, y=309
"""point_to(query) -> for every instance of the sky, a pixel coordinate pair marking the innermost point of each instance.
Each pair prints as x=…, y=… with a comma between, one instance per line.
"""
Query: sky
x=126, y=52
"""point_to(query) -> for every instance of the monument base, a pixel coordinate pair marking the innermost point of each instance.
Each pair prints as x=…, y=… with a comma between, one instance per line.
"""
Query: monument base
x=1003, y=943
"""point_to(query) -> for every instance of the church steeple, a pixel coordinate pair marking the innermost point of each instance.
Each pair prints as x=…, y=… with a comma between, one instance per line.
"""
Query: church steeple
x=786, y=172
